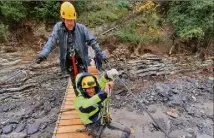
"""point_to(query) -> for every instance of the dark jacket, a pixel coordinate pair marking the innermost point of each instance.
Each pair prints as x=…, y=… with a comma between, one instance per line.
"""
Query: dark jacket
x=82, y=38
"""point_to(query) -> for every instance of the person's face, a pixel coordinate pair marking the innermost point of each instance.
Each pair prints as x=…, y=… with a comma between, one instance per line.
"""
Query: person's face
x=69, y=24
x=90, y=91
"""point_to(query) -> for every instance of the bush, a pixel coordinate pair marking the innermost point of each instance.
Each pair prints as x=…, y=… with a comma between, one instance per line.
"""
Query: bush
x=4, y=32
x=80, y=6
x=13, y=11
x=48, y=11
x=129, y=35
x=145, y=28
x=101, y=12
x=192, y=19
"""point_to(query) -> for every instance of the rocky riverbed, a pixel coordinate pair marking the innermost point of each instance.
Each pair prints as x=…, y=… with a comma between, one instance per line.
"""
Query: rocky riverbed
x=179, y=97
x=182, y=107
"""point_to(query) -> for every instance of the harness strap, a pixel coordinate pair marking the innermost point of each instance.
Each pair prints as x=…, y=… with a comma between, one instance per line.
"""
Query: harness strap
x=74, y=66
x=105, y=112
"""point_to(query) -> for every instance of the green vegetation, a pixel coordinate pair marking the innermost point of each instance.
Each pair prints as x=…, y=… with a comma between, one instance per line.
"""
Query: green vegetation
x=19, y=11
x=13, y=11
x=192, y=20
x=4, y=32
x=47, y=11
x=132, y=35
x=101, y=12
x=145, y=28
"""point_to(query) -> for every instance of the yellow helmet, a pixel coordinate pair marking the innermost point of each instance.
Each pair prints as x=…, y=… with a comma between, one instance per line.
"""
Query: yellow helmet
x=88, y=82
x=67, y=11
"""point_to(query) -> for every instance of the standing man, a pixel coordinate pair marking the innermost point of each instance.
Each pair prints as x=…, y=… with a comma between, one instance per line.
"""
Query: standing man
x=73, y=39
x=89, y=104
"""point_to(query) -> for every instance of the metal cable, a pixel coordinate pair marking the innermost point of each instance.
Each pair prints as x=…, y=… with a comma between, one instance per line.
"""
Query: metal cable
x=129, y=91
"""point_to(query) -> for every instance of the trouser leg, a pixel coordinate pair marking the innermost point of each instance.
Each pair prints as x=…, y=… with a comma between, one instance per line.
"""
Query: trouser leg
x=95, y=129
x=71, y=74
x=73, y=83
x=113, y=130
x=116, y=130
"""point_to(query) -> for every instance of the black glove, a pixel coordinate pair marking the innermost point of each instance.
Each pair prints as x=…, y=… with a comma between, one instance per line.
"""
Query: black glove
x=104, y=58
x=40, y=59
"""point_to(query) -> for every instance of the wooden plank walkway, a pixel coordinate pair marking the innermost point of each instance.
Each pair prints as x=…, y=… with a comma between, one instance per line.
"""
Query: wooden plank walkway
x=68, y=121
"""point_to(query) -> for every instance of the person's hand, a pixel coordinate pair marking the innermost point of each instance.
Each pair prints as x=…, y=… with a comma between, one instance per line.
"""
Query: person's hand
x=104, y=59
x=109, y=86
x=112, y=74
x=39, y=59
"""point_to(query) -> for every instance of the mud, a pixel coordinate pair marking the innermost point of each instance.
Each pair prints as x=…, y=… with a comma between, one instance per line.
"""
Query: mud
x=181, y=103
x=183, y=107
x=29, y=102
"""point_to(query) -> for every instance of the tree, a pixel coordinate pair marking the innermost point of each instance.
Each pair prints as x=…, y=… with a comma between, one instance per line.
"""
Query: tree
x=193, y=20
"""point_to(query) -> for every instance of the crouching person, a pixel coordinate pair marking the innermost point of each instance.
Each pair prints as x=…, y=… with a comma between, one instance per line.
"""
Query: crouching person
x=89, y=103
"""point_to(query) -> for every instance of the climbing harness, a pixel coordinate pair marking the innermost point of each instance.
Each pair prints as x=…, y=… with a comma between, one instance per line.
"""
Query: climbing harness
x=74, y=65
x=105, y=119
x=105, y=112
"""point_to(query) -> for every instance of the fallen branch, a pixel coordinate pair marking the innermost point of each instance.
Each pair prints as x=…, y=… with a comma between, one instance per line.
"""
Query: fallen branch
x=18, y=89
x=109, y=30
x=65, y=110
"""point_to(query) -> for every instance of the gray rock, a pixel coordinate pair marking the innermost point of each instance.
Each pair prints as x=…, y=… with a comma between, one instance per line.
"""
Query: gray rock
x=38, y=114
x=175, y=100
x=152, y=109
x=7, y=129
x=203, y=136
x=31, y=121
x=190, y=130
x=119, y=91
x=162, y=89
x=129, y=108
x=194, y=98
x=117, y=97
x=43, y=126
x=205, y=129
x=15, y=135
x=14, y=126
x=174, y=91
x=15, y=119
x=203, y=86
x=172, y=113
x=210, y=117
x=189, y=136
x=32, y=128
x=146, y=102
x=190, y=110
x=4, y=108
x=20, y=127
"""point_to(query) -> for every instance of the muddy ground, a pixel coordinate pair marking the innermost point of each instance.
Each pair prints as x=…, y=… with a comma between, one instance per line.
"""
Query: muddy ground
x=182, y=106
x=179, y=96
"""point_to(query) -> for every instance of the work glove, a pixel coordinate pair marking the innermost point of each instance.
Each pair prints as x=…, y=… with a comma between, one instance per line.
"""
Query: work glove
x=104, y=58
x=101, y=56
x=99, y=59
x=112, y=74
x=39, y=59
